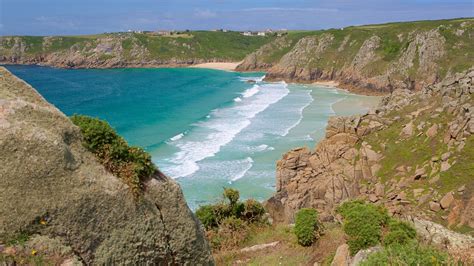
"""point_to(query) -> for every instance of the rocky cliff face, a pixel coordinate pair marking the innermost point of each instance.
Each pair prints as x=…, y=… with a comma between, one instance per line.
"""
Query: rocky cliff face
x=54, y=192
x=414, y=154
x=128, y=49
x=372, y=59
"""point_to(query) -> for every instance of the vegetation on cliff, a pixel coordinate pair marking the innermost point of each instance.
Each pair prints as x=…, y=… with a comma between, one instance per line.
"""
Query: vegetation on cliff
x=373, y=58
x=307, y=226
x=61, y=206
x=228, y=222
x=131, y=164
x=129, y=49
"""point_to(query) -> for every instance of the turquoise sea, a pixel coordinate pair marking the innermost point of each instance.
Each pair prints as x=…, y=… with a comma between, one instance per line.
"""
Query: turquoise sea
x=208, y=129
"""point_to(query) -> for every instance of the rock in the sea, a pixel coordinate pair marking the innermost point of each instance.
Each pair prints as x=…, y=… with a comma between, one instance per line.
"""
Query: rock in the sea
x=52, y=186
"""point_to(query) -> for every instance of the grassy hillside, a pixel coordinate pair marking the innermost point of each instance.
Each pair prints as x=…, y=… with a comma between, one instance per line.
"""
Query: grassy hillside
x=137, y=48
x=401, y=54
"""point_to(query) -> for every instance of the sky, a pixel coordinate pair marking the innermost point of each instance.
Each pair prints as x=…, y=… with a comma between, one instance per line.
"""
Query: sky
x=71, y=17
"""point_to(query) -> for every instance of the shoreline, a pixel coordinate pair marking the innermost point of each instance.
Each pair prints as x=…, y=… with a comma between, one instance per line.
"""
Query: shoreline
x=355, y=101
x=225, y=66
x=345, y=106
x=222, y=66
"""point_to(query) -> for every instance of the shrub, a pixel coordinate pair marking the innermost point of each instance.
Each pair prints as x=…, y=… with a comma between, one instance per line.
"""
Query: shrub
x=306, y=226
x=227, y=222
x=253, y=211
x=232, y=195
x=207, y=216
x=237, y=209
x=231, y=232
x=131, y=164
x=362, y=223
x=400, y=233
x=411, y=253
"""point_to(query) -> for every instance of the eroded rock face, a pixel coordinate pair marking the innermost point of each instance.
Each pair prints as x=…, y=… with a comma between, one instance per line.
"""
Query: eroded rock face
x=344, y=166
x=371, y=64
x=47, y=175
x=255, y=61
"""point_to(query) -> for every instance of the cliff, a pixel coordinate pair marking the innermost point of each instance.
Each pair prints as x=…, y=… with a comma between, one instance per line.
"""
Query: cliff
x=58, y=204
x=372, y=59
x=114, y=50
x=414, y=154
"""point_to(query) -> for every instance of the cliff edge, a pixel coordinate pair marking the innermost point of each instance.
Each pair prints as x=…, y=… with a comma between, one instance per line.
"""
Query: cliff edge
x=414, y=154
x=58, y=199
x=372, y=59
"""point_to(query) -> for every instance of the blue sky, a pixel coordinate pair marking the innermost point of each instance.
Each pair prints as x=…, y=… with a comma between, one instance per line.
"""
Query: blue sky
x=62, y=17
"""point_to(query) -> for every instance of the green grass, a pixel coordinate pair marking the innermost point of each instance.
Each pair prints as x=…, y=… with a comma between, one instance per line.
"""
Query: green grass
x=395, y=39
x=462, y=172
x=204, y=45
x=131, y=164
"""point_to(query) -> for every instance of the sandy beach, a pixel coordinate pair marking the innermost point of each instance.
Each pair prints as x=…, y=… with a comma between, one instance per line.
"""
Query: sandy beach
x=346, y=106
x=329, y=83
x=226, y=66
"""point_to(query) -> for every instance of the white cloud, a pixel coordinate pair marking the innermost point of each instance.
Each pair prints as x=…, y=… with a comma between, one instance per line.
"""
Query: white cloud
x=289, y=9
x=204, y=13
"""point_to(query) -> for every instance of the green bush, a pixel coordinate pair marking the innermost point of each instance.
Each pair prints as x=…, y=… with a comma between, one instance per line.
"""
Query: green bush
x=132, y=164
x=232, y=195
x=400, y=233
x=207, y=216
x=306, y=226
x=231, y=232
x=253, y=211
x=362, y=223
x=411, y=253
x=212, y=216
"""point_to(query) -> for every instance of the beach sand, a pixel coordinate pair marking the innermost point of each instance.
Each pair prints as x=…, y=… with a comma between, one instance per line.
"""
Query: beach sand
x=346, y=107
x=329, y=83
x=227, y=66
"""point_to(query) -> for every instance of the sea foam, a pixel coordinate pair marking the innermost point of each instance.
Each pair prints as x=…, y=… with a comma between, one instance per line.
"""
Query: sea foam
x=248, y=164
x=207, y=137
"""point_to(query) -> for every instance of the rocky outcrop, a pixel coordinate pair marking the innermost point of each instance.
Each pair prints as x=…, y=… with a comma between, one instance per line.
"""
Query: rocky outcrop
x=375, y=59
x=358, y=158
x=124, y=50
x=257, y=60
x=52, y=188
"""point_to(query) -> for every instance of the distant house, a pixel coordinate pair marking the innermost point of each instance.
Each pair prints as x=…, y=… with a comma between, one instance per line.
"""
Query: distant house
x=281, y=32
x=164, y=32
x=247, y=33
x=261, y=33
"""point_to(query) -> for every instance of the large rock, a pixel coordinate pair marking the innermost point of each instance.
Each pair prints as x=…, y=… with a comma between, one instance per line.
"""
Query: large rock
x=447, y=200
x=47, y=175
x=342, y=257
x=347, y=162
x=363, y=254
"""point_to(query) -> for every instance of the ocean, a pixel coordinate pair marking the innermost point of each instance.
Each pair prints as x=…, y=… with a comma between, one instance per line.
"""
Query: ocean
x=207, y=129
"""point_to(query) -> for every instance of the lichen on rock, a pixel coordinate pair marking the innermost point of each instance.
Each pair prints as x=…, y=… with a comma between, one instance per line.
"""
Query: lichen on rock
x=53, y=187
